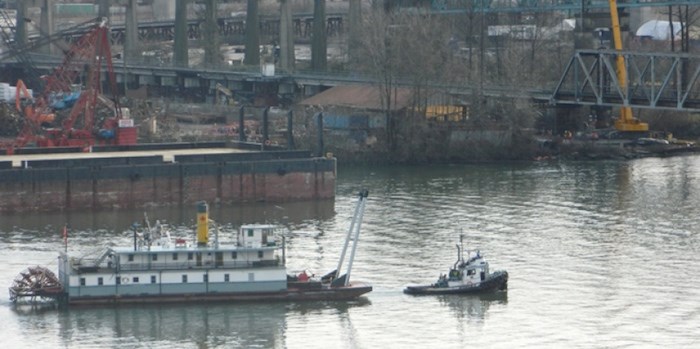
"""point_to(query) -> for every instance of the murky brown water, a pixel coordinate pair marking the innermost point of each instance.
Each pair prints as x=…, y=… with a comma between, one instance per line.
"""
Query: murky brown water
x=600, y=254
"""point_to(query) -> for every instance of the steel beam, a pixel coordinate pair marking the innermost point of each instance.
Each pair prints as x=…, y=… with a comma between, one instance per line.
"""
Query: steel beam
x=654, y=81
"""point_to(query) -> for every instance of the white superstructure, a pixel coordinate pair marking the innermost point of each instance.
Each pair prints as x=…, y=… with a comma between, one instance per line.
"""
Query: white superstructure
x=158, y=265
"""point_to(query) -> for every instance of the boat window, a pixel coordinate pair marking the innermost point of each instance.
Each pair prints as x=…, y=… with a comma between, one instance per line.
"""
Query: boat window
x=190, y=256
x=250, y=232
x=234, y=255
x=154, y=257
x=260, y=254
x=153, y=279
x=471, y=272
x=184, y=279
x=119, y=281
x=226, y=278
x=136, y=279
x=174, y=256
x=131, y=257
x=100, y=281
x=82, y=281
x=205, y=278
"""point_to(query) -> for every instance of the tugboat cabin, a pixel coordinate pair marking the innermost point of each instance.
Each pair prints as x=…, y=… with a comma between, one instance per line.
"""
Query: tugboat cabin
x=473, y=270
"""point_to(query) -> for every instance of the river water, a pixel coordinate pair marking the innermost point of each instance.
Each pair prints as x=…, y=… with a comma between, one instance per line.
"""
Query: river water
x=600, y=254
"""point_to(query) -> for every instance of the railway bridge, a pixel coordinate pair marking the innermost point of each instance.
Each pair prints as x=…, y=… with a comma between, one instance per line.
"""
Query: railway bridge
x=666, y=81
x=655, y=80
x=231, y=27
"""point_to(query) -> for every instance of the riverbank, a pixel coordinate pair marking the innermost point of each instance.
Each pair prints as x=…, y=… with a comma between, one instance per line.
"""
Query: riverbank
x=593, y=148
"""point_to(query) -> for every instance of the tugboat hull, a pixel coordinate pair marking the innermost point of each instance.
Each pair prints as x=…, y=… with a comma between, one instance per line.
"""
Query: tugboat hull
x=498, y=281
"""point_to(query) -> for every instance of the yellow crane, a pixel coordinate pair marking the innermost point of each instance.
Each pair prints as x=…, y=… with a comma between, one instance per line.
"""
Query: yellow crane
x=626, y=122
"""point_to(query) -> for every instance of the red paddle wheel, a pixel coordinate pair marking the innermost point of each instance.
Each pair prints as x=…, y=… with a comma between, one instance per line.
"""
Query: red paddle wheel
x=36, y=282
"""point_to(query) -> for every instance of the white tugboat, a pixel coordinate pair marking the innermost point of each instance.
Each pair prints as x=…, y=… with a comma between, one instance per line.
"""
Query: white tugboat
x=159, y=268
x=469, y=274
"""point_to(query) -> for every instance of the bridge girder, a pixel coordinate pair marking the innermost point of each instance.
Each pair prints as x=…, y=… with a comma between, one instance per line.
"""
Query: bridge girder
x=462, y=6
x=654, y=81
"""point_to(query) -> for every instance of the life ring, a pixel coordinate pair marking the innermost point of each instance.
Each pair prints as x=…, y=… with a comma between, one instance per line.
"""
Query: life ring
x=125, y=280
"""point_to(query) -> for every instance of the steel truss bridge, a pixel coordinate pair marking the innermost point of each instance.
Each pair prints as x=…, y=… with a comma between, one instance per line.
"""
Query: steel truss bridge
x=461, y=6
x=654, y=81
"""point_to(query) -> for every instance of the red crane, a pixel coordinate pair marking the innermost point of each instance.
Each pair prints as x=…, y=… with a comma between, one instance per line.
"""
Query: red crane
x=86, y=60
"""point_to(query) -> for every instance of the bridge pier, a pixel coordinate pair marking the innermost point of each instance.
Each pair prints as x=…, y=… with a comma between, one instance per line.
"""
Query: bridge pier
x=252, y=40
x=180, y=50
x=286, y=36
x=131, y=43
x=318, y=40
x=46, y=26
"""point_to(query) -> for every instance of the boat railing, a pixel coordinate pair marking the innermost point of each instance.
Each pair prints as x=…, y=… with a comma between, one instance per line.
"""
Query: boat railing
x=202, y=265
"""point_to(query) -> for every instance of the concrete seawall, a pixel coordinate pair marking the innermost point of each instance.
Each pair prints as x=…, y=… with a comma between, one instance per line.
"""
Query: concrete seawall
x=226, y=178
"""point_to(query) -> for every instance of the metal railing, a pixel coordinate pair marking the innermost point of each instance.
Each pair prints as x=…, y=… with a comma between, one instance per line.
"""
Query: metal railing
x=184, y=265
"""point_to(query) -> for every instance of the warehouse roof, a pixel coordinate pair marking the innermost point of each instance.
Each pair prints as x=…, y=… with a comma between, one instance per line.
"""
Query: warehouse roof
x=358, y=96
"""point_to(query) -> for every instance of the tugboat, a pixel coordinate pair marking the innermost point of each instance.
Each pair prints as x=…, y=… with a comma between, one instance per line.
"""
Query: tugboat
x=250, y=266
x=469, y=275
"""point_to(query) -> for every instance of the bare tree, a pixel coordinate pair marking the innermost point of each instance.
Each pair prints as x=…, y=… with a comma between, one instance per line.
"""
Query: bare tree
x=687, y=17
x=378, y=61
x=407, y=51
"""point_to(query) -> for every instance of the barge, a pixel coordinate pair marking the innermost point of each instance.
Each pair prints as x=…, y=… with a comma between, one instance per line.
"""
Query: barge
x=250, y=266
x=144, y=175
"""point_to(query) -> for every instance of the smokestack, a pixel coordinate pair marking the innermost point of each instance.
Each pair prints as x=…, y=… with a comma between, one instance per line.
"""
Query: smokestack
x=202, y=223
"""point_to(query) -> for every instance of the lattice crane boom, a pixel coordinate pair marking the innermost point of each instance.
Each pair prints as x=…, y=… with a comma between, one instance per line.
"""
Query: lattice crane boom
x=86, y=60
